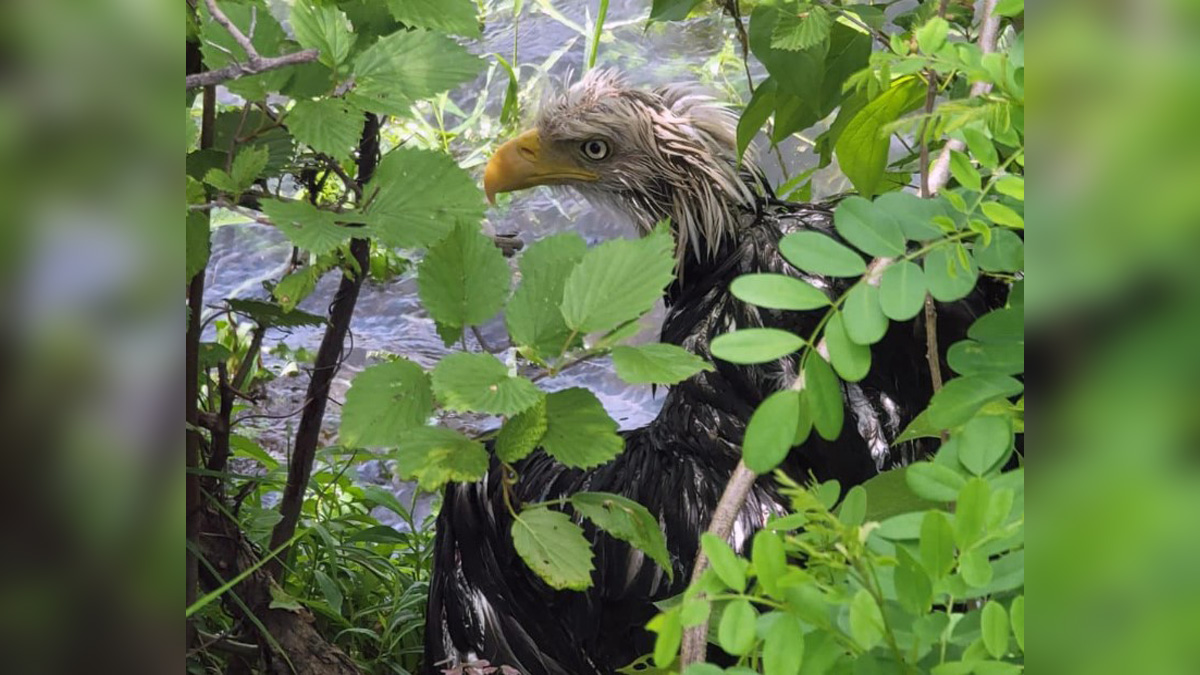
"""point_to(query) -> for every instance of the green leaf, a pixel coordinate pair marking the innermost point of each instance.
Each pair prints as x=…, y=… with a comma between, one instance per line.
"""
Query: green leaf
x=771, y=430
x=474, y=382
x=306, y=226
x=578, y=431
x=554, y=547
x=671, y=10
x=1000, y=507
x=330, y=590
x=435, y=456
x=851, y=360
x=323, y=28
x=982, y=442
x=384, y=402
x=824, y=397
x=801, y=31
x=634, y=271
x=407, y=66
x=868, y=228
x=1010, y=7
x=889, y=495
x=463, y=279
x=853, y=508
x=968, y=357
x=862, y=149
x=533, y=315
x=326, y=125
x=937, y=544
x=293, y=288
x=220, y=49
x=1002, y=215
x=778, y=291
x=757, y=111
x=914, y=214
x=522, y=433
x=934, y=482
x=975, y=569
x=730, y=568
x=656, y=364
x=1006, y=324
x=196, y=242
x=819, y=254
x=970, y=512
x=964, y=172
x=902, y=290
x=865, y=322
x=247, y=164
x=956, y=402
x=783, y=646
x=1017, y=614
x=948, y=279
x=457, y=17
x=1013, y=186
x=770, y=560
x=1004, y=253
x=755, y=345
x=914, y=588
x=932, y=35
x=735, y=633
x=271, y=315
x=982, y=148
x=628, y=521
x=994, y=626
x=670, y=635
x=417, y=196
x=866, y=621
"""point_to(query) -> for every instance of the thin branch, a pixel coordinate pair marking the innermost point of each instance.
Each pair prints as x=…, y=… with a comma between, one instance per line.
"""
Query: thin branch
x=932, y=353
x=234, y=71
x=989, y=30
x=238, y=35
x=930, y=97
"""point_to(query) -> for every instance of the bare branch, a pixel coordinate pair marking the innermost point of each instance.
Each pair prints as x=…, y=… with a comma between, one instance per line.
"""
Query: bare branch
x=234, y=71
x=932, y=353
x=238, y=35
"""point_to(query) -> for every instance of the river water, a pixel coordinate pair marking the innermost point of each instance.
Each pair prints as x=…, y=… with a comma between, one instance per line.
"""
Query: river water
x=389, y=318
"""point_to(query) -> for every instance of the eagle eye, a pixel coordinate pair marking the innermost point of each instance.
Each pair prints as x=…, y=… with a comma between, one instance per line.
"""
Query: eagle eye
x=595, y=149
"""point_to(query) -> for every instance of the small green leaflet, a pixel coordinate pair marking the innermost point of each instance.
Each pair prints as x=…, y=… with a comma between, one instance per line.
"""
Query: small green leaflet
x=932, y=35
x=819, y=254
x=579, y=433
x=326, y=125
x=384, y=402
x=994, y=625
x=771, y=431
x=626, y=520
x=956, y=402
x=249, y=162
x=866, y=621
x=902, y=290
x=463, y=279
x=271, y=315
x=783, y=647
x=474, y=382
x=457, y=17
x=669, y=628
x=866, y=323
x=417, y=196
x=982, y=442
x=735, y=632
x=533, y=315
x=553, y=547
x=634, y=273
x=435, y=456
x=755, y=345
x=946, y=276
x=778, y=291
x=306, y=226
x=522, y=432
x=851, y=360
x=724, y=562
x=933, y=481
x=937, y=544
x=868, y=228
x=1002, y=215
x=656, y=364
x=824, y=397
x=770, y=560
x=1004, y=253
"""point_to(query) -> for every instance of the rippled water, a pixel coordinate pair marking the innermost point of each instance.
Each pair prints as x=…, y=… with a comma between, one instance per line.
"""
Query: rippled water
x=389, y=317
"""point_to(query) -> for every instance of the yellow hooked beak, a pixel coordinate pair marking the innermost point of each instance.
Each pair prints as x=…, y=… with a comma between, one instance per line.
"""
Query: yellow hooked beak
x=520, y=164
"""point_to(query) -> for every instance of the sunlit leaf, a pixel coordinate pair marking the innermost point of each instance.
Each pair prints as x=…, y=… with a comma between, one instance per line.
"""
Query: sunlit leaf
x=323, y=28
x=801, y=31
x=306, y=226
x=862, y=149
x=463, y=279
x=656, y=364
x=326, y=125
x=407, y=66
x=783, y=646
x=632, y=272
x=724, y=562
x=435, y=456
x=819, y=254
x=522, y=432
x=554, y=547
x=626, y=520
x=384, y=402
x=476, y=382
x=417, y=196
x=771, y=431
x=735, y=633
x=533, y=315
x=579, y=433
x=937, y=544
x=457, y=17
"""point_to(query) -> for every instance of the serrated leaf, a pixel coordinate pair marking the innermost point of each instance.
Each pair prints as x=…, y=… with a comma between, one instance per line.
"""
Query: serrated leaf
x=778, y=291
x=384, y=402
x=937, y=544
x=325, y=29
x=628, y=521
x=671, y=10
x=522, y=433
x=553, y=547
x=579, y=433
x=220, y=49
x=851, y=360
x=634, y=271
x=533, y=315
x=735, y=632
x=866, y=621
x=724, y=562
x=293, y=288
x=902, y=290
x=457, y=17
x=819, y=254
x=407, y=66
x=865, y=321
x=306, y=226
x=755, y=345
x=417, y=196
x=935, y=482
x=982, y=441
x=945, y=275
x=868, y=228
x=1002, y=215
x=783, y=646
x=475, y=382
x=463, y=279
x=862, y=149
x=271, y=315
x=435, y=456
x=794, y=31
x=956, y=402
x=326, y=125
x=656, y=364
x=771, y=431
x=824, y=397
x=247, y=164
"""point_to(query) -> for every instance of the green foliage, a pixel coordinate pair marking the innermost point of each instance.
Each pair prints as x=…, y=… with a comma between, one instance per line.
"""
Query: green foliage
x=578, y=431
x=463, y=280
x=479, y=382
x=554, y=547
x=533, y=318
x=417, y=197
x=626, y=520
x=385, y=402
x=656, y=364
x=636, y=271
x=326, y=125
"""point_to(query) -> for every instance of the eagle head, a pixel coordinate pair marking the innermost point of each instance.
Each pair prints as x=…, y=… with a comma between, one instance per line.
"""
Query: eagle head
x=667, y=153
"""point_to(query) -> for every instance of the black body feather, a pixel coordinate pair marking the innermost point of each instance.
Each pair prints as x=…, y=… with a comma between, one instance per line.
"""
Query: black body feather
x=485, y=604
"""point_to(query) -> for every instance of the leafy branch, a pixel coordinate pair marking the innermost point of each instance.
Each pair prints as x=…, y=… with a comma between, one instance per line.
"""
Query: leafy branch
x=255, y=63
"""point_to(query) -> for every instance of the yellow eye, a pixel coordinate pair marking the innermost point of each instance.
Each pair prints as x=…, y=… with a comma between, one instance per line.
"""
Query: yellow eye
x=595, y=149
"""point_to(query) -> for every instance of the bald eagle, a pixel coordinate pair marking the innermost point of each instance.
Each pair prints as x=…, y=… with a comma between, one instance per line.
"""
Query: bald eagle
x=668, y=153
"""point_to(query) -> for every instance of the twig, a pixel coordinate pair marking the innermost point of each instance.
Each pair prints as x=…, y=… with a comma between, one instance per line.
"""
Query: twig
x=932, y=353
x=989, y=29
x=235, y=71
x=930, y=97
x=238, y=36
